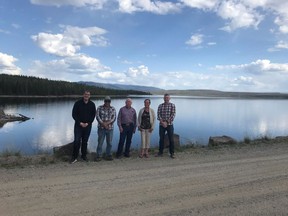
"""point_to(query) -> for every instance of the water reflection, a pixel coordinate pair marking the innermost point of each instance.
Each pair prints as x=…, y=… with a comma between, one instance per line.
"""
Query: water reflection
x=196, y=120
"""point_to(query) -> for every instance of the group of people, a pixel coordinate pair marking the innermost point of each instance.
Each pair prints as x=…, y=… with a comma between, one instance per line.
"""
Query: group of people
x=84, y=112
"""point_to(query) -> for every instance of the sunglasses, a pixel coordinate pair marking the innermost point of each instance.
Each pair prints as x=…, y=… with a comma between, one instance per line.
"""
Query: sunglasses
x=107, y=101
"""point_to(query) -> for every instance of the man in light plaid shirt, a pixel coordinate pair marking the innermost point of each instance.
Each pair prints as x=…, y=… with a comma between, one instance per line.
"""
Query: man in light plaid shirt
x=166, y=114
x=106, y=116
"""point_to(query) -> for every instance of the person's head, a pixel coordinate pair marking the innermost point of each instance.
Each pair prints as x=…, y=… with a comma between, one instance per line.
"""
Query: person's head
x=166, y=98
x=128, y=102
x=107, y=101
x=147, y=102
x=86, y=95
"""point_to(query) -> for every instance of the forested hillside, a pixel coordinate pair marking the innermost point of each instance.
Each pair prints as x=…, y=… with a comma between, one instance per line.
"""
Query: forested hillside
x=27, y=85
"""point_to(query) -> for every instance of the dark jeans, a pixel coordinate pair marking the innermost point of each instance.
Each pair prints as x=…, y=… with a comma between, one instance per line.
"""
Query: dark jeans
x=81, y=136
x=170, y=133
x=126, y=134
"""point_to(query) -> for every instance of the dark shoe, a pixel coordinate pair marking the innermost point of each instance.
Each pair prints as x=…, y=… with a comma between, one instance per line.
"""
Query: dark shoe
x=109, y=158
x=172, y=156
x=85, y=159
x=127, y=155
x=159, y=154
x=118, y=156
x=98, y=158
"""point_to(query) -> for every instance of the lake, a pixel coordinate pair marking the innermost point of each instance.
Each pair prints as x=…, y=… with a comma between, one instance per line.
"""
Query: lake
x=196, y=120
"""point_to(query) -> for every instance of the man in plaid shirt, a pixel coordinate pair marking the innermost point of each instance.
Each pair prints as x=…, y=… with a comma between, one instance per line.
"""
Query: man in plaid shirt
x=166, y=114
x=106, y=116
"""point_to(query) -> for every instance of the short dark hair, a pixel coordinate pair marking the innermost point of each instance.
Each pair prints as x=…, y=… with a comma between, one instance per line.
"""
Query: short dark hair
x=147, y=99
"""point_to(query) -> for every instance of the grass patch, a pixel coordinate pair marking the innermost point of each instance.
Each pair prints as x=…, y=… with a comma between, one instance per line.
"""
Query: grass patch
x=8, y=153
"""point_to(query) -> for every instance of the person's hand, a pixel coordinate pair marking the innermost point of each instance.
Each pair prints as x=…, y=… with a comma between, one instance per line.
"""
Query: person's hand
x=82, y=124
x=163, y=123
x=105, y=125
x=120, y=129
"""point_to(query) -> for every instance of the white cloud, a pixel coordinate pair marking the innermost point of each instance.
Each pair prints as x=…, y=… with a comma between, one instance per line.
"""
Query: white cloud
x=282, y=22
x=141, y=70
x=279, y=46
x=243, y=80
x=94, y=4
x=55, y=44
x=238, y=16
x=237, y=13
x=211, y=43
x=195, y=40
x=72, y=68
x=259, y=66
x=158, y=7
x=4, y=31
x=71, y=40
x=7, y=64
x=200, y=4
x=16, y=26
x=280, y=10
x=282, y=45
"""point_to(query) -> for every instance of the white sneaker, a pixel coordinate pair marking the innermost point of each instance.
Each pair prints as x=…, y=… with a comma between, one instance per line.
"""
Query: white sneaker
x=73, y=161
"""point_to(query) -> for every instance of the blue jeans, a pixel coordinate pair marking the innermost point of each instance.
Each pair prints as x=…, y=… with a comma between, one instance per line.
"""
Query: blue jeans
x=170, y=133
x=81, y=136
x=102, y=133
x=126, y=134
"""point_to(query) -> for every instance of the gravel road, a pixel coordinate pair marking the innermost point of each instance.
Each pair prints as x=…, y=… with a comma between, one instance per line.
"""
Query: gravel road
x=238, y=180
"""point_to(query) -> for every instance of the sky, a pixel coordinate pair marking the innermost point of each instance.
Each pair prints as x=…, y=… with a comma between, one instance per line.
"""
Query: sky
x=226, y=45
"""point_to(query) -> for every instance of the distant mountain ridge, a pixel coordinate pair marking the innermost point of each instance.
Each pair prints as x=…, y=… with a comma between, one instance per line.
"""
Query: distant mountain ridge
x=191, y=92
x=122, y=86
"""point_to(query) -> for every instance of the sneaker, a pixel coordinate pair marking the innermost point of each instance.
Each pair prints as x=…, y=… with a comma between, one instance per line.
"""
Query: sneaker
x=98, y=158
x=109, y=158
x=172, y=156
x=73, y=161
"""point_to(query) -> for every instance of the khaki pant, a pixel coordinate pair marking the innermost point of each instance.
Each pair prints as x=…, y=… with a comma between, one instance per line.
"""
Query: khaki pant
x=145, y=138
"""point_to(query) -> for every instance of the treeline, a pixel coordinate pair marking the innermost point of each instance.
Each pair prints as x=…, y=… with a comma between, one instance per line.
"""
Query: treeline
x=33, y=86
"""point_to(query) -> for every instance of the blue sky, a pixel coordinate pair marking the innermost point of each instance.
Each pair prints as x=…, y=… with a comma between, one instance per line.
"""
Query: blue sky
x=232, y=45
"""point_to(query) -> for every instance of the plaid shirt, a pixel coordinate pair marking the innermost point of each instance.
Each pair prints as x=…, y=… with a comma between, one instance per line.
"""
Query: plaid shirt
x=106, y=114
x=166, y=112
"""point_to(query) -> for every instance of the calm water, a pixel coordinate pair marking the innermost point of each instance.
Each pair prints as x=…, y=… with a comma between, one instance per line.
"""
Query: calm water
x=196, y=120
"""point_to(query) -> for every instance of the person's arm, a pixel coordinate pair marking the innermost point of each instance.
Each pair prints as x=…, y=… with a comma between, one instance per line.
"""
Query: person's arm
x=119, y=120
x=139, y=119
x=134, y=120
x=173, y=113
x=93, y=113
x=152, y=119
x=159, y=113
x=75, y=113
x=113, y=117
x=98, y=117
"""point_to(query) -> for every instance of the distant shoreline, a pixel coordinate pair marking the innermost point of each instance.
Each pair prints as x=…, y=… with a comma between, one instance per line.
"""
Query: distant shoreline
x=180, y=93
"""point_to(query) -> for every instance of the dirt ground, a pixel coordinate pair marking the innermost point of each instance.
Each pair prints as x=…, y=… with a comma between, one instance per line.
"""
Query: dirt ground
x=238, y=180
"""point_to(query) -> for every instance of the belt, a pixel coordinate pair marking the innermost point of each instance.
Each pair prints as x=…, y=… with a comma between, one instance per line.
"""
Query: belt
x=127, y=124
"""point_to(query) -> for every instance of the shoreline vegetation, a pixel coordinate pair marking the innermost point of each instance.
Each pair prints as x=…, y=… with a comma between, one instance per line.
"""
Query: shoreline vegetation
x=34, y=87
x=14, y=159
x=181, y=93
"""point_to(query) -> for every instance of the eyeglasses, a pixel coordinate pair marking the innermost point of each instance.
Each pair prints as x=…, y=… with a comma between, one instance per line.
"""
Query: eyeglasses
x=107, y=101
